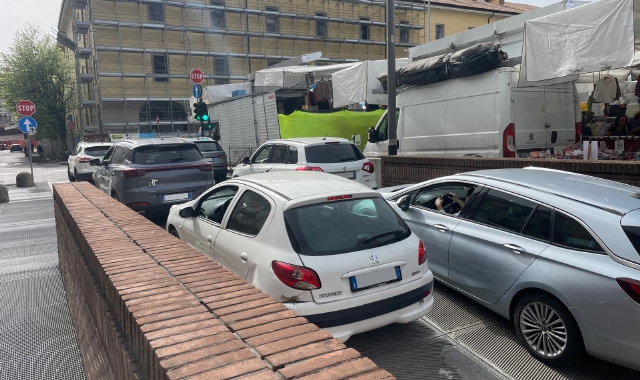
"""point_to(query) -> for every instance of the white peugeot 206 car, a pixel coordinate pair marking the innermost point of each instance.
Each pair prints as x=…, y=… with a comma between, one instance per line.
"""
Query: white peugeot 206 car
x=329, y=248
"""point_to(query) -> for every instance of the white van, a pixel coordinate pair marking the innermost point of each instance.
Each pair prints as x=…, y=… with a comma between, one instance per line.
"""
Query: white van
x=485, y=114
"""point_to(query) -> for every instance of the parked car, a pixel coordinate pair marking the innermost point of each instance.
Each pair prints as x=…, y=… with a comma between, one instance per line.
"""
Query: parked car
x=151, y=175
x=330, y=155
x=213, y=152
x=330, y=249
x=558, y=253
x=15, y=148
x=78, y=168
x=2, y=147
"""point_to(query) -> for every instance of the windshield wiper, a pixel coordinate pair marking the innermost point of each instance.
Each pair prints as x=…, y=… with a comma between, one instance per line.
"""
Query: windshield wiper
x=348, y=159
x=377, y=236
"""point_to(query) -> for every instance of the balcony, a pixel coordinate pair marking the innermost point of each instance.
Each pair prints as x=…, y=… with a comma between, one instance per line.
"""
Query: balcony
x=86, y=103
x=80, y=4
x=82, y=27
x=83, y=52
x=87, y=78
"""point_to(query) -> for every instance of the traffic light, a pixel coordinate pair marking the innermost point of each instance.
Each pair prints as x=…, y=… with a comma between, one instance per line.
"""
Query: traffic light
x=201, y=112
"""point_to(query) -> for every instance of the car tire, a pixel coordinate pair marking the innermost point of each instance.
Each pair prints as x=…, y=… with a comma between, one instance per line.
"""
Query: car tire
x=174, y=232
x=71, y=178
x=542, y=323
x=115, y=196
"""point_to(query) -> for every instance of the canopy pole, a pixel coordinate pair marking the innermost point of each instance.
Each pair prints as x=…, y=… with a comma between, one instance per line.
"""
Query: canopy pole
x=391, y=78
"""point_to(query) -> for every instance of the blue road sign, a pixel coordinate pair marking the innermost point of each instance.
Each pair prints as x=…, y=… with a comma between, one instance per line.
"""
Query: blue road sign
x=27, y=123
x=70, y=117
x=197, y=90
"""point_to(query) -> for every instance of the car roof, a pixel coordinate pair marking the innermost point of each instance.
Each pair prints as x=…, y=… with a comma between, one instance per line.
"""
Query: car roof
x=201, y=139
x=295, y=185
x=605, y=194
x=155, y=141
x=311, y=140
x=96, y=143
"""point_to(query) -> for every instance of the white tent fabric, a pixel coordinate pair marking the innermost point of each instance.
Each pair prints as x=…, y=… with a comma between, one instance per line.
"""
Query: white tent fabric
x=277, y=77
x=594, y=37
x=218, y=93
x=357, y=83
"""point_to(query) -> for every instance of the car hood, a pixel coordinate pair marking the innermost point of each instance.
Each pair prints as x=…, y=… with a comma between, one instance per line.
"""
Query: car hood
x=389, y=191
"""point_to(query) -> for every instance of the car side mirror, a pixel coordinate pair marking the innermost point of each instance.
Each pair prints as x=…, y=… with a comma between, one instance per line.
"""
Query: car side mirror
x=372, y=135
x=404, y=203
x=106, y=163
x=95, y=162
x=186, y=212
x=246, y=161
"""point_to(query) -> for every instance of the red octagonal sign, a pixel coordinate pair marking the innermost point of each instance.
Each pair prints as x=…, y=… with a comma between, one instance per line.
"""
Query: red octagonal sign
x=26, y=107
x=196, y=76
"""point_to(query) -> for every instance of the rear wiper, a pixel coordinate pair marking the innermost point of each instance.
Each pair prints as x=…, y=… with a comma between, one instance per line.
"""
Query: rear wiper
x=377, y=236
x=176, y=159
x=348, y=159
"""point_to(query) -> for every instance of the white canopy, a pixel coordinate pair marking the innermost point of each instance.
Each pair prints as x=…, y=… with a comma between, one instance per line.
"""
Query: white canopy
x=593, y=37
x=221, y=92
x=285, y=77
x=358, y=83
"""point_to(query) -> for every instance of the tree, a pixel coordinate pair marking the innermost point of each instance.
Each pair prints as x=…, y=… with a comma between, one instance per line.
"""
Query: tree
x=35, y=68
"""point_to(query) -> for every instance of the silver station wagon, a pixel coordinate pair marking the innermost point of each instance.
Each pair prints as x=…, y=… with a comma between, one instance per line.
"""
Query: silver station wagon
x=558, y=253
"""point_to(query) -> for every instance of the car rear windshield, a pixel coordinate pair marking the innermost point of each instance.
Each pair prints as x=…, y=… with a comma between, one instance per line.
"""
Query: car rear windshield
x=208, y=146
x=166, y=154
x=333, y=153
x=337, y=227
x=96, y=151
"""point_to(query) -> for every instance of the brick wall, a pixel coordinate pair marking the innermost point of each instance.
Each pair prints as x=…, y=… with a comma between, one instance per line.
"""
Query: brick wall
x=398, y=170
x=147, y=306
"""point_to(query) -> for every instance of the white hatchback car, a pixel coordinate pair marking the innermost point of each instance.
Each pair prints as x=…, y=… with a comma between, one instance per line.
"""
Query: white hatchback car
x=78, y=162
x=330, y=155
x=330, y=249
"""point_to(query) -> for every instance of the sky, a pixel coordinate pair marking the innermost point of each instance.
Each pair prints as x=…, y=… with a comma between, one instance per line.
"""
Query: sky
x=44, y=13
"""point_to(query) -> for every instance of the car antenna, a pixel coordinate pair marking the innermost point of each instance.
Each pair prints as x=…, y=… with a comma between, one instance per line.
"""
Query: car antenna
x=325, y=136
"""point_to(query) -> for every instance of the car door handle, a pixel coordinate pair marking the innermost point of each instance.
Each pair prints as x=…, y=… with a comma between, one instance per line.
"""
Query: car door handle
x=209, y=239
x=244, y=256
x=515, y=248
x=441, y=227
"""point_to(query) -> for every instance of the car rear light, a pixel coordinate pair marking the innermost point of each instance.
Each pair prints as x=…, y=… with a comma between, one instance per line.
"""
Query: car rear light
x=422, y=253
x=578, y=132
x=427, y=293
x=339, y=197
x=296, y=277
x=509, y=141
x=309, y=169
x=138, y=204
x=132, y=173
x=368, y=167
x=223, y=156
x=83, y=160
x=206, y=167
x=631, y=287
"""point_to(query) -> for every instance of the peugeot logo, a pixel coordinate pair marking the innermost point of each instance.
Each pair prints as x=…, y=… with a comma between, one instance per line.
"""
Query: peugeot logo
x=344, y=169
x=530, y=136
x=374, y=259
x=153, y=182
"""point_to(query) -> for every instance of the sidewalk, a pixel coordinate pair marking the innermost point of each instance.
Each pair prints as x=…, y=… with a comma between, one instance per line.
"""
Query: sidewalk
x=37, y=337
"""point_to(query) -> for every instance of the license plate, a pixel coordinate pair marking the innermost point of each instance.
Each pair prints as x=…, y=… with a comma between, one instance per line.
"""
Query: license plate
x=348, y=175
x=176, y=197
x=377, y=278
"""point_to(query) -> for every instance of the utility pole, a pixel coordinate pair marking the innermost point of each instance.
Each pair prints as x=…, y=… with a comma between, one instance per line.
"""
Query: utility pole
x=391, y=78
x=429, y=19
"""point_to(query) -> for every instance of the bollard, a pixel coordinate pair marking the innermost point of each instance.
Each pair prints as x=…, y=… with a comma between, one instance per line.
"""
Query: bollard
x=24, y=179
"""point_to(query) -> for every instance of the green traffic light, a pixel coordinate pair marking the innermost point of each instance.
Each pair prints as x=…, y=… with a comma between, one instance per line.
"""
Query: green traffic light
x=205, y=117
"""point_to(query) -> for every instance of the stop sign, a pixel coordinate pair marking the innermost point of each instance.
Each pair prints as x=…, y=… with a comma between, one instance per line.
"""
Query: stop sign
x=26, y=107
x=196, y=76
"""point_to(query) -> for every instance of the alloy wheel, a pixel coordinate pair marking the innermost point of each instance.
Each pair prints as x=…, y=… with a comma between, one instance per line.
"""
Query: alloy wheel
x=543, y=329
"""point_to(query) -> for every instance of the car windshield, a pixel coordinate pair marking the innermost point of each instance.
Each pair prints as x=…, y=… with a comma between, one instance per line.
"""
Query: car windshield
x=337, y=227
x=208, y=146
x=333, y=153
x=166, y=154
x=96, y=151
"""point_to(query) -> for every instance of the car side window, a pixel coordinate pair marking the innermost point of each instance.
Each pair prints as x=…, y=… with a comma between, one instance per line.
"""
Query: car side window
x=109, y=154
x=250, y=214
x=262, y=156
x=77, y=150
x=539, y=224
x=454, y=197
x=292, y=157
x=503, y=210
x=571, y=234
x=279, y=155
x=119, y=155
x=216, y=203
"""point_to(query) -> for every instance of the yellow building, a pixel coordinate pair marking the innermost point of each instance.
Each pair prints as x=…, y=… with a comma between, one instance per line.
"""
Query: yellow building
x=134, y=56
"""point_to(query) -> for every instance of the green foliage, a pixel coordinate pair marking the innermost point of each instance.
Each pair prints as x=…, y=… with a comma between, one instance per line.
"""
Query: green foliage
x=35, y=68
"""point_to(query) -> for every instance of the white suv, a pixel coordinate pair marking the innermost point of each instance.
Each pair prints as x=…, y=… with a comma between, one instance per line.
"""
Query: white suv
x=330, y=249
x=330, y=155
x=78, y=163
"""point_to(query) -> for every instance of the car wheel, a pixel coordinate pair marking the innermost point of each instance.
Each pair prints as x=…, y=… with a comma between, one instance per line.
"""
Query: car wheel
x=71, y=178
x=174, y=232
x=547, y=330
x=115, y=196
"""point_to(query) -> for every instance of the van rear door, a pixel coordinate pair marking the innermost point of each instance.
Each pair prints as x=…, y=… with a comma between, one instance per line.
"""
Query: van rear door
x=560, y=106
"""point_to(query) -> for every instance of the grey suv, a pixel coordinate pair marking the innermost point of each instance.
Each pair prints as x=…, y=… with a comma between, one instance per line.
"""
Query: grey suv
x=151, y=175
x=213, y=152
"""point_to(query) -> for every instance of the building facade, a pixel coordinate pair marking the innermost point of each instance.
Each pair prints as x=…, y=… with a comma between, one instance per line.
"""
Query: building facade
x=133, y=57
x=7, y=121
